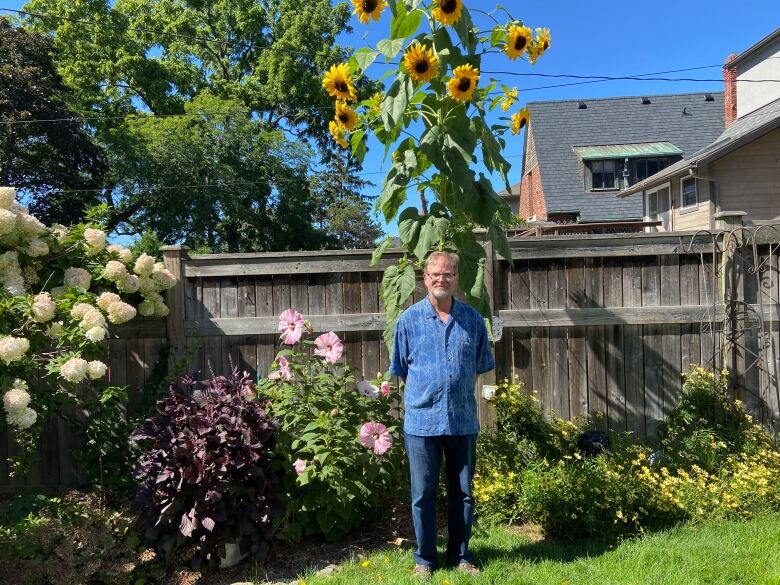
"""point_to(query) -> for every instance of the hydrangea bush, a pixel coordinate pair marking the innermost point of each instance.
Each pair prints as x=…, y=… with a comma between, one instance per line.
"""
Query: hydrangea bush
x=60, y=289
x=338, y=440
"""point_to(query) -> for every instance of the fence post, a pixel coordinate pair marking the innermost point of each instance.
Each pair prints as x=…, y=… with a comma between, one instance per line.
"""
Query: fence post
x=486, y=410
x=730, y=278
x=172, y=256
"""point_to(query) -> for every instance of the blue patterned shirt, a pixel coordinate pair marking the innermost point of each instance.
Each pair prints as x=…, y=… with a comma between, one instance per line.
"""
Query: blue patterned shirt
x=440, y=362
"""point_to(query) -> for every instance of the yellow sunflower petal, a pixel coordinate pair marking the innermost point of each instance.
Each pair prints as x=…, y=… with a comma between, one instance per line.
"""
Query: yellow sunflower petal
x=510, y=95
x=520, y=120
x=345, y=116
x=463, y=83
x=518, y=39
x=447, y=11
x=420, y=62
x=368, y=9
x=376, y=102
x=338, y=133
x=540, y=45
x=338, y=83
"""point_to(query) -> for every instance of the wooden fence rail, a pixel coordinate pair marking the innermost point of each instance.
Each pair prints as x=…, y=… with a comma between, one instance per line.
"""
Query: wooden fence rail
x=591, y=323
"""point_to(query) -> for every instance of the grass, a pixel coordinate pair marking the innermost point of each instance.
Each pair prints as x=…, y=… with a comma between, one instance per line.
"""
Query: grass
x=712, y=554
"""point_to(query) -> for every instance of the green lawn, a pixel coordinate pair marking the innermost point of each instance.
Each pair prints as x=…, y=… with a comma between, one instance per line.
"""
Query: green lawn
x=734, y=552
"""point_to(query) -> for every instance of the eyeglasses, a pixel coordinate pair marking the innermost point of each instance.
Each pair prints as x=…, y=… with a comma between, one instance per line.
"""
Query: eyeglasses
x=444, y=275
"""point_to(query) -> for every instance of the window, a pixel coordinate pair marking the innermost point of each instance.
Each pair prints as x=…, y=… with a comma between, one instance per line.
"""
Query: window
x=652, y=206
x=646, y=167
x=688, y=195
x=604, y=174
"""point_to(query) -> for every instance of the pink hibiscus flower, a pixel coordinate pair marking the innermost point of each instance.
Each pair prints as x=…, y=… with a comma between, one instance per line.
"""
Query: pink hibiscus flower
x=299, y=465
x=291, y=326
x=329, y=346
x=367, y=389
x=384, y=388
x=284, y=372
x=374, y=436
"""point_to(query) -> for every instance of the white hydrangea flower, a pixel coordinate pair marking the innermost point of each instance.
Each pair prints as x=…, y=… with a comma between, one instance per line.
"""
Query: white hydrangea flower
x=23, y=419
x=59, y=231
x=129, y=284
x=78, y=278
x=28, y=226
x=147, y=308
x=96, y=240
x=55, y=330
x=120, y=312
x=16, y=399
x=36, y=248
x=161, y=310
x=114, y=271
x=9, y=261
x=14, y=283
x=96, y=369
x=7, y=197
x=107, y=298
x=96, y=334
x=30, y=275
x=7, y=221
x=13, y=348
x=124, y=254
x=43, y=308
x=74, y=369
x=92, y=318
x=146, y=285
x=58, y=292
x=80, y=309
x=163, y=279
x=144, y=265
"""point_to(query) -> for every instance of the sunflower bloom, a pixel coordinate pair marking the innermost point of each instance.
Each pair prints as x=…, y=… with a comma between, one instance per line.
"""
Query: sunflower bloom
x=447, y=11
x=367, y=9
x=540, y=45
x=376, y=102
x=420, y=62
x=463, y=83
x=346, y=116
x=518, y=40
x=519, y=120
x=338, y=83
x=338, y=133
x=510, y=95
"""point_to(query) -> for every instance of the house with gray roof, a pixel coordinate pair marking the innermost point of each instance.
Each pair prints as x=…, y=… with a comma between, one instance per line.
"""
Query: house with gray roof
x=579, y=154
x=737, y=175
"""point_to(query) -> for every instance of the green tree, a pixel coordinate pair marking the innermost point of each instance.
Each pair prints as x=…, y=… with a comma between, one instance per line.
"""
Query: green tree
x=343, y=213
x=42, y=159
x=256, y=66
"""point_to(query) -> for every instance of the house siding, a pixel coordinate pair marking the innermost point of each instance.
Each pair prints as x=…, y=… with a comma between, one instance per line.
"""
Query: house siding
x=749, y=179
x=691, y=219
x=755, y=90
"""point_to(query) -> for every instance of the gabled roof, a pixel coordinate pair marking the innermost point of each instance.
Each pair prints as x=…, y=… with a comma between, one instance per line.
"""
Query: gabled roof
x=743, y=131
x=688, y=121
x=747, y=53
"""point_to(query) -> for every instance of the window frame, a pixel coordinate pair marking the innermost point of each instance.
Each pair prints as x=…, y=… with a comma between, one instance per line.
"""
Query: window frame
x=616, y=173
x=695, y=205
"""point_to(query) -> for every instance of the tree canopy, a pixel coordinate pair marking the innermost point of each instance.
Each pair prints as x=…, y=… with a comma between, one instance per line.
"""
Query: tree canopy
x=209, y=112
x=43, y=159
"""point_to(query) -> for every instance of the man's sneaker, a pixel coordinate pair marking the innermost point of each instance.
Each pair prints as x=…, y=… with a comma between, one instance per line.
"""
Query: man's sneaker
x=423, y=571
x=468, y=568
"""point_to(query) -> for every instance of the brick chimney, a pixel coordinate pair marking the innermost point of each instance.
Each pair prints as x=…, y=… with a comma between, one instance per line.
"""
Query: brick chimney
x=730, y=91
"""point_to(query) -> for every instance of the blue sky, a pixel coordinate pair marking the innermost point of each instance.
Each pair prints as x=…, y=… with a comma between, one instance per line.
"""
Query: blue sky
x=607, y=38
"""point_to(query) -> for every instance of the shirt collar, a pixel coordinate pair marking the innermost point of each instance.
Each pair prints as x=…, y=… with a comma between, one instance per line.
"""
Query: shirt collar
x=456, y=309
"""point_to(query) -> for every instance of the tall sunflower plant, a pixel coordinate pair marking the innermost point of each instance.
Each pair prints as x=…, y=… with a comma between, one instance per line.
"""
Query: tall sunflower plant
x=432, y=120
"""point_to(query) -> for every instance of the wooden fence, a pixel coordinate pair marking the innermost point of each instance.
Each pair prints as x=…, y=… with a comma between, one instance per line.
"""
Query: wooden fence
x=591, y=323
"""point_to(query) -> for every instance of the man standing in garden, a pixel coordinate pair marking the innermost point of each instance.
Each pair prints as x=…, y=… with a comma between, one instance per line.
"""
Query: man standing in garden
x=440, y=345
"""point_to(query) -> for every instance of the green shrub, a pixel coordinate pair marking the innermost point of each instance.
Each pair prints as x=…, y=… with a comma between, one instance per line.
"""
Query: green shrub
x=707, y=425
x=334, y=480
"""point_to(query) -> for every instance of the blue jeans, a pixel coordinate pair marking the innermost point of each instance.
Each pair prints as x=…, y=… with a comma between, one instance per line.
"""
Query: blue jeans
x=425, y=455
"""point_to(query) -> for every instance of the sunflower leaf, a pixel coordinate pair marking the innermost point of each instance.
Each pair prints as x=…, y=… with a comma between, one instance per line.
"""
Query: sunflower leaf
x=431, y=231
x=491, y=151
x=365, y=57
x=405, y=24
x=484, y=203
x=500, y=243
x=390, y=47
x=358, y=145
x=396, y=100
x=409, y=223
x=498, y=36
x=464, y=27
x=380, y=249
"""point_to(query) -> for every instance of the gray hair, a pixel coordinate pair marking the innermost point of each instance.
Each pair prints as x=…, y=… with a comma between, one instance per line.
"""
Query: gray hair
x=453, y=259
